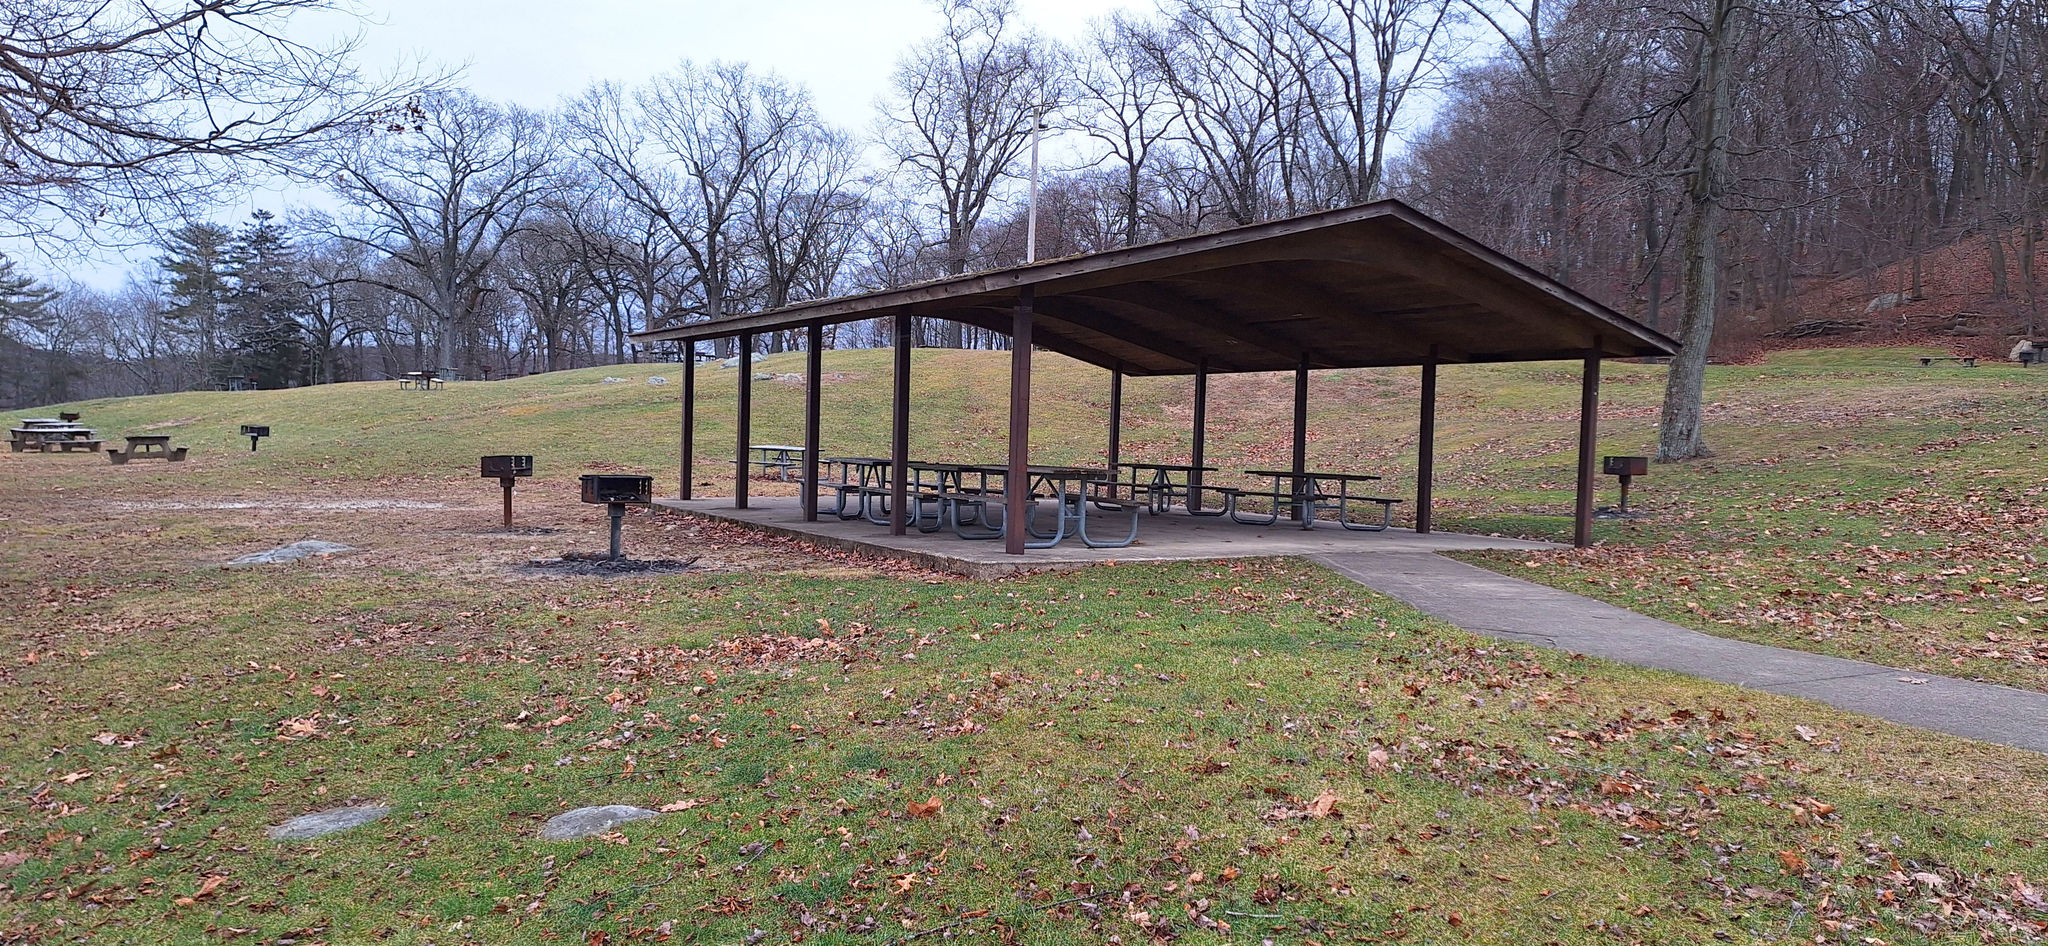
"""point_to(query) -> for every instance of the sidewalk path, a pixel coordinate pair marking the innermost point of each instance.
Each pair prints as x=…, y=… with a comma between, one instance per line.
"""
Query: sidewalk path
x=1496, y=605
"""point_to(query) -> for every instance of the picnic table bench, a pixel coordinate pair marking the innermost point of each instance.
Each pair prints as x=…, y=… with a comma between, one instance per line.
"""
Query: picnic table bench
x=147, y=445
x=420, y=381
x=1967, y=361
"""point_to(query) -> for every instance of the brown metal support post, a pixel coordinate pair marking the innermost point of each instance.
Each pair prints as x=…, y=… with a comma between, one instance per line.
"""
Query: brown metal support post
x=1201, y=426
x=1589, y=430
x=1301, y=511
x=1116, y=418
x=744, y=429
x=1017, y=484
x=899, y=432
x=689, y=417
x=1425, y=448
x=813, y=367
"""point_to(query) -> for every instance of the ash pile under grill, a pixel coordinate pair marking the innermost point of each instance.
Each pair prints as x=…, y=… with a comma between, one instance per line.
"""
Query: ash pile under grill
x=600, y=566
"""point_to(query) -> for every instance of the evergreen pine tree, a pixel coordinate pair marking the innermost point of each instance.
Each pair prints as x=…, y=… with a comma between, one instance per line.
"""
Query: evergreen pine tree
x=268, y=305
x=23, y=302
x=199, y=284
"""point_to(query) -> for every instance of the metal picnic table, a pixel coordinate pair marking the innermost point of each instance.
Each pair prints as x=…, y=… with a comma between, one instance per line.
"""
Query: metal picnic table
x=858, y=476
x=1306, y=496
x=1163, y=489
x=779, y=457
x=1069, y=488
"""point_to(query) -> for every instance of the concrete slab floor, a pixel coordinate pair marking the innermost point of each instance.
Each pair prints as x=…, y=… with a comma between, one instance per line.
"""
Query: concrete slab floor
x=1174, y=536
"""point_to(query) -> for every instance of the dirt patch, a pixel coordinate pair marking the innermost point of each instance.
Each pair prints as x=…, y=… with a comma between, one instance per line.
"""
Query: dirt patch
x=519, y=530
x=328, y=505
x=585, y=565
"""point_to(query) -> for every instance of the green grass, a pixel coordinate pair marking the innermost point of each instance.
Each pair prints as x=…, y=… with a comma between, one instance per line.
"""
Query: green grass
x=1106, y=735
x=1127, y=751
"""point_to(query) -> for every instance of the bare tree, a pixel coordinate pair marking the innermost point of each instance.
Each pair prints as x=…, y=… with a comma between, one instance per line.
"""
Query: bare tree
x=144, y=111
x=545, y=266
x=440, y=193
x=1239, y=101
x=961, y=112
x=804, y=209
x=334, y=274
x=683, y=149
x=1126, y=105
x=1357, y=63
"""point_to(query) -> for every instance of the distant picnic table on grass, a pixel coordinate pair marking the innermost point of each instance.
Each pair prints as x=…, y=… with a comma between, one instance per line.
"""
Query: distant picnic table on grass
x=147, y=445
x=44, y=434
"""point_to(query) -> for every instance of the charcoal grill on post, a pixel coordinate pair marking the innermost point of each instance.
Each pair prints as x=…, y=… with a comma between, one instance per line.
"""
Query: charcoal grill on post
x=507, y=468
x=1624, y=467
x=254, y=432
x=615, y=492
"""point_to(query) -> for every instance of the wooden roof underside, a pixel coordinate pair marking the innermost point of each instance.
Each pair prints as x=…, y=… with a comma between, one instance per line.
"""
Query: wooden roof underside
x=1369, y=286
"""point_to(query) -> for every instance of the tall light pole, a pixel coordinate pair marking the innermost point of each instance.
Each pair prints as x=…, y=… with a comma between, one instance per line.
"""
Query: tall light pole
x=1031, y=203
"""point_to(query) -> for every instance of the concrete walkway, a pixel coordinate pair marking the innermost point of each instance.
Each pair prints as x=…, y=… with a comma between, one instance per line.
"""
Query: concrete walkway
x=1493, y=604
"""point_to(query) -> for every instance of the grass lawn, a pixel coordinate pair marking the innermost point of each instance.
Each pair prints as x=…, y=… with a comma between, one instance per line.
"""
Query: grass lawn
x=1205, y=752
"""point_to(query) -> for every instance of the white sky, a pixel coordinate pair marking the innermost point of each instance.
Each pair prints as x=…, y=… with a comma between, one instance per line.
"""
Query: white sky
x=537, y=52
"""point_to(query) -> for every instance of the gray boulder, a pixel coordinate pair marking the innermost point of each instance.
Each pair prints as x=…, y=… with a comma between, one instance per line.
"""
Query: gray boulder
x=584, y=822
x=326, y=822
x=292, y=553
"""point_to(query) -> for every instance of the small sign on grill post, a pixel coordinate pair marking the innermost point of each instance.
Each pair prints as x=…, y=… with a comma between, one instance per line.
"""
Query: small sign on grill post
x=615, y=492
x=254, y=432
x=1625, y=468
x=507, y=468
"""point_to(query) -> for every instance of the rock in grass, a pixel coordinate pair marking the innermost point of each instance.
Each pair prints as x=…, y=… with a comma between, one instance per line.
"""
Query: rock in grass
x=584, y=822
x=292, y=552
x=326, y=822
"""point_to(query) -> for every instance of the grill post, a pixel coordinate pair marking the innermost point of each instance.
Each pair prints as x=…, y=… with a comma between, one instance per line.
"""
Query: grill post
x=618, y=514
x=615, y=493
x=506, y=469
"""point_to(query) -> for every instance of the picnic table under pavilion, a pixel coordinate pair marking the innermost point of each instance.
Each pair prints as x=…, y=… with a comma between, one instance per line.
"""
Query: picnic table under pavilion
x=1377, y=285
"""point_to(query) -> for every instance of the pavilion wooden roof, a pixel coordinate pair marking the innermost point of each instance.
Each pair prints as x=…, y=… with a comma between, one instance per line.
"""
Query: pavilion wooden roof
x=1376, y=285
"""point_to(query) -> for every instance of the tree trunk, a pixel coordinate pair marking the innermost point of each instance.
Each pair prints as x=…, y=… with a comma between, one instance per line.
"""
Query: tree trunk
x=1679, y=433
x=1653, y=250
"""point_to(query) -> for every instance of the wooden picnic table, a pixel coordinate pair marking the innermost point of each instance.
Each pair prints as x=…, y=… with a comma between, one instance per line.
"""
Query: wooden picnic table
x=147, y=445
x=43, y=437
x=420, y=381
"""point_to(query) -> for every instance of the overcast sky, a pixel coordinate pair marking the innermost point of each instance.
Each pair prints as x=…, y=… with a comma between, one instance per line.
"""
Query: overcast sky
x=534, y=52
x=537, y=52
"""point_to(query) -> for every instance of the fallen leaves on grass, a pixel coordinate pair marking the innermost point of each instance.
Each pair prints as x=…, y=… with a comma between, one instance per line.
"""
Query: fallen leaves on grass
x=208, y=885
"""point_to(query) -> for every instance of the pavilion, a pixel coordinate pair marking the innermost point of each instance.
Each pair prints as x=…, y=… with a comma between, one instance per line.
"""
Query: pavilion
x=1376, y=285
